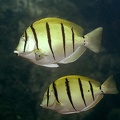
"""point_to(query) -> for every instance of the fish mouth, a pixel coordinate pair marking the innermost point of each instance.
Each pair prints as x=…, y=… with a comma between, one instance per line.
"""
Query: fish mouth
x=16, y=52
x=21, y=54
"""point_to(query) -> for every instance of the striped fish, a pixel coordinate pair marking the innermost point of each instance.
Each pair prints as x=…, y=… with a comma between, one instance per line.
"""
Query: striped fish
x=74, y=94
x=49, y=41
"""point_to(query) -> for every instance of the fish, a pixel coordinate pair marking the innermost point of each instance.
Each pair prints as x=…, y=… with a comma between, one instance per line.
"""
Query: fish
x=73, y=93
x=52, y=41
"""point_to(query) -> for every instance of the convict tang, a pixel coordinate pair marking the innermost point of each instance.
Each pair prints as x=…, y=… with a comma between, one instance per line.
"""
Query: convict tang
x=49, y=41
x=74, y=94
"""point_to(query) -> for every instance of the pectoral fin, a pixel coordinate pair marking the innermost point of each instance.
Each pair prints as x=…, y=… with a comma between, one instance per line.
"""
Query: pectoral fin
x=38, y=54
x=74, y=56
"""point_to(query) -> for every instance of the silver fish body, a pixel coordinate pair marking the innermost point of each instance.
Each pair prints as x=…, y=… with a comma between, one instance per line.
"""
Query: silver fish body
x=52, y=40
x=74, y=94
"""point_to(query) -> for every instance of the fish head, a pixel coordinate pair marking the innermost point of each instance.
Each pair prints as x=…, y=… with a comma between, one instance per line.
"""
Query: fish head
x=49, y=100
x=25, y=46
x=51, y=103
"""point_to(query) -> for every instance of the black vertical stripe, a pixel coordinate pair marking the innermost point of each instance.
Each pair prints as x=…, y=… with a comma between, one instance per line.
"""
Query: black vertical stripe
x=55, y=92
x=63, y=36
x=68, y=92
x=26, y=38
x=81, y=90
x=73, y=39
x=47, y=96
x=101, y=89
x=35, y=35
x=49, y=39
x=92, y=92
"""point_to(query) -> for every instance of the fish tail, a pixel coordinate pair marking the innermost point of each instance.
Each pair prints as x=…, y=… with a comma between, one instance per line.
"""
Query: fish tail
x=92, y=40
x=109, y=86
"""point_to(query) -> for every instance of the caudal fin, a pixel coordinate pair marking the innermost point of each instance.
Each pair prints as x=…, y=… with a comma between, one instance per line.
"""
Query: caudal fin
x=93, y=40
x=109, y=86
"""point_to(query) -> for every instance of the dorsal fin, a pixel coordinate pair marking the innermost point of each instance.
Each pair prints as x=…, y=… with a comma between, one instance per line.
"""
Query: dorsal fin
x=77, y=29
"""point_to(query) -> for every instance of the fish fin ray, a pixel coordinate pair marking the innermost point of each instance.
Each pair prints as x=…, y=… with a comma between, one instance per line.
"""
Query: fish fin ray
x=93, y=40
x=109, y=86
x=74, y=56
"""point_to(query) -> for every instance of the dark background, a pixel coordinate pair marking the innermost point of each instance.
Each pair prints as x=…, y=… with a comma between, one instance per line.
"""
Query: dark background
x=22, y=83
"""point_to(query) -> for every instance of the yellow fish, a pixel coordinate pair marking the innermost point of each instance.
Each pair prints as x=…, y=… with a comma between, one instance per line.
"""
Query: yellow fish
x=49, y=41
x=74, y=94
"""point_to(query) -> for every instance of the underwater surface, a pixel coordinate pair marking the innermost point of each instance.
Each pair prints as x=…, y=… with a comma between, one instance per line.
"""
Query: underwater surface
x=22, y=83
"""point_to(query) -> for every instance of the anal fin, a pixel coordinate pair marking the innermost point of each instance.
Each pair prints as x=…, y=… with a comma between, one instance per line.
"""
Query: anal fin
x=74, y=56
x=51, y=65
